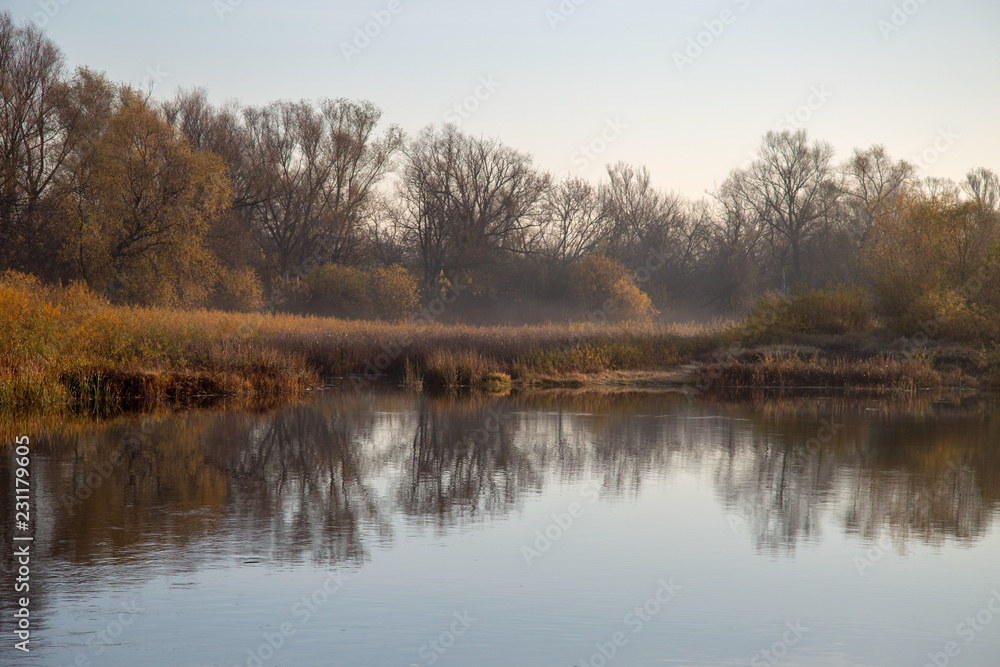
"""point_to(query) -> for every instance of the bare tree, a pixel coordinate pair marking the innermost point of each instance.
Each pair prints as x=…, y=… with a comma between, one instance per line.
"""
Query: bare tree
x=941, y=188
x=34, y=137
x=637, y=212
x=468, y=201
x=733, y=259
x=574, y=222
x=789, y=188
x=227, y=133
x=321, y=166
x=651, y=229
x=872, y=179
x=983, y=186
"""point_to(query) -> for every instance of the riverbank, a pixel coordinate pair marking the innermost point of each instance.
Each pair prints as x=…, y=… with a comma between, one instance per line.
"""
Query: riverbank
x=66, y=347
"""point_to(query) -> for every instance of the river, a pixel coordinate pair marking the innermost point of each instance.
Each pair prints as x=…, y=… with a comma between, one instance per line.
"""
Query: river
x=552, y=529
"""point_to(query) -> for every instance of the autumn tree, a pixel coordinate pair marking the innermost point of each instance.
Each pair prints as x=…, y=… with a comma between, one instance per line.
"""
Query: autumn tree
x=138, y=200
x=927, y=244
x=395, y=293
x=608, y=291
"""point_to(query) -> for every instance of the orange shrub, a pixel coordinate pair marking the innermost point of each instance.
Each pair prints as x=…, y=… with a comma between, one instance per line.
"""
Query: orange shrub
x=602, y=284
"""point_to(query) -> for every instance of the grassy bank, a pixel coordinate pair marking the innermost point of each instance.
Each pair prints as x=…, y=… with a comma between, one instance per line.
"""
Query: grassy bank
x=68, y=347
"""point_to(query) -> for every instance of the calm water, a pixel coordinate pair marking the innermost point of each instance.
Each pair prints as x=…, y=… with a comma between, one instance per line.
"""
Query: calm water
x=640, y=529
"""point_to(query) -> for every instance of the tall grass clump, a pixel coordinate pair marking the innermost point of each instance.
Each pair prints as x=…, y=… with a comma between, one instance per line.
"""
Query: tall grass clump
x=790, y=369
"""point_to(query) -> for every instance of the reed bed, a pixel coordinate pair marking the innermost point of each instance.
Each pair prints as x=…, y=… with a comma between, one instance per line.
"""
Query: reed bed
x=879, y=373
x=67, y=346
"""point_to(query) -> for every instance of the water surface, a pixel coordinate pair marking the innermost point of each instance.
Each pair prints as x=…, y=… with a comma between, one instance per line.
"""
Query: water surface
x=554, y=530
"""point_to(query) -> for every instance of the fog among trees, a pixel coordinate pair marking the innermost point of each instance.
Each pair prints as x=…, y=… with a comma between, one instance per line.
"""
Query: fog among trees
x=325, y=207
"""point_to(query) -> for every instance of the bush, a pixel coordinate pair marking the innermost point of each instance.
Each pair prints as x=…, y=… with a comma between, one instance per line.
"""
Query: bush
x=394, y=293
x=947, y=315
x=633, y=305
x=606, y=288
x=835, y=310
x=238, y=290
x=339, y=290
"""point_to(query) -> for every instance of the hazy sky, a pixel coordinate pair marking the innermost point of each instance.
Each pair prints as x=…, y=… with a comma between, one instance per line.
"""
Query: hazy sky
x=560, y=74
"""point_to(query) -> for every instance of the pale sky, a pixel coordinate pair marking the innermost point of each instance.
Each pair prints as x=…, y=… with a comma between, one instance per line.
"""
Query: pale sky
x=559, y=79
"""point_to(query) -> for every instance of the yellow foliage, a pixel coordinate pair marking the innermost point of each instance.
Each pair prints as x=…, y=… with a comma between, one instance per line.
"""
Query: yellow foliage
x=603, y=285
x=239, y=290
x=138, y=200
x=395, y=294
x=339, y=290
x=835, y=310
x=946, y=314
x=924, y=245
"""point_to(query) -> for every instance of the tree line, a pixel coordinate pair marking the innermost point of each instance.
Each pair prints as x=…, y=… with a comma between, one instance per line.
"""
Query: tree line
x=323, y=207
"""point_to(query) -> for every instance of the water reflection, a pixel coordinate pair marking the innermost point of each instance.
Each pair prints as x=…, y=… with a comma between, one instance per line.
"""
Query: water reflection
x=328, y=480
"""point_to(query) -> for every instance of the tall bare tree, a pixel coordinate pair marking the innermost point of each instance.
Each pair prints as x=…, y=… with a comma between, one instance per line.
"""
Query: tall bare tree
x=871, y=180
x=305, y=176
x=225, y=132
x=323, y=164
x=468, y=201
x=733, y=259
x=983, y=186
x=789, y=187
x=574, y=222
x=34, y=135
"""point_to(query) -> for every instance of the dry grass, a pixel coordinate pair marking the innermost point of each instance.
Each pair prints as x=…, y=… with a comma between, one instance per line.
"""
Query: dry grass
x=67, y=346
x=879, y=373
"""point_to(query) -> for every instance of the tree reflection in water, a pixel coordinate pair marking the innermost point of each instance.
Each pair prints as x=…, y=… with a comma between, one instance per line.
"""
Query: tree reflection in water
x=328, y=479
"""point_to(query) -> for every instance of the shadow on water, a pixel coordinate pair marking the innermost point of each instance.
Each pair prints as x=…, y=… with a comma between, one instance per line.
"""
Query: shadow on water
x=330, y=478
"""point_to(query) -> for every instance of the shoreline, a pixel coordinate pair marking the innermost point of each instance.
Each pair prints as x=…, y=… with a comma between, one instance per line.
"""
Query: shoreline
x=104, y=390
x=66, y=349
